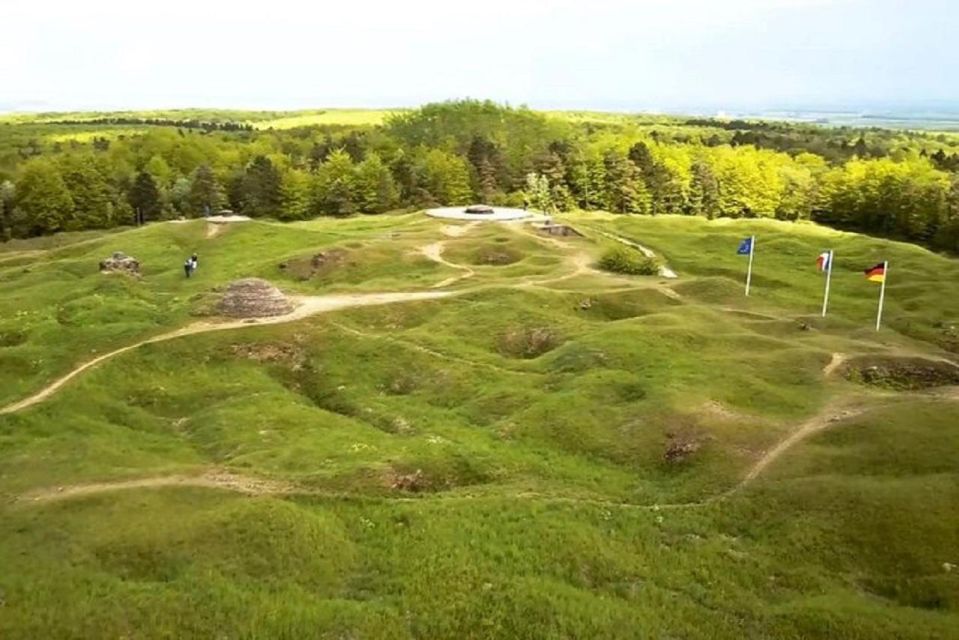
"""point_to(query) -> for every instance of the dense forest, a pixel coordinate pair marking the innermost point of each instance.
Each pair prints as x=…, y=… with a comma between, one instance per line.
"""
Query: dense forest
x=118, y=169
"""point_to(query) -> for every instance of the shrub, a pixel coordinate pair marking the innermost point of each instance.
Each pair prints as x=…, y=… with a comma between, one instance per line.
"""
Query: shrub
x=628, y=261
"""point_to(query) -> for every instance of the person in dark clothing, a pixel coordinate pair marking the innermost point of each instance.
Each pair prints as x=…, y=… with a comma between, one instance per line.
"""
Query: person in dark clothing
x=188, y=267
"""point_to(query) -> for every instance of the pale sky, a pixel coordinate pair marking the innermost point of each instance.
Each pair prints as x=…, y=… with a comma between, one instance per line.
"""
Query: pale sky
x=615, y=54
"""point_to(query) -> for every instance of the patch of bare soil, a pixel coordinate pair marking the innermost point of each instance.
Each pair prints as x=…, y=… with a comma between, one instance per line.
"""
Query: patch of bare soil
x=317, y=264
x=528, y=342
x=496, y=256
x=457, y=230
x=412, y=482
x=901, y=373
x=679, y=448
x=273, y=352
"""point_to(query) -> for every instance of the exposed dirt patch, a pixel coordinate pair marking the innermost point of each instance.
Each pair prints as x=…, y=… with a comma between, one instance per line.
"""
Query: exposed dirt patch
x=901, y=373
x=717, y=410
x=528, y=342
x=120, y=262
x=497, y=256
x=457, y=230
x=413, y=482
x=680, y=448
x=274, y=352
x=319, y=264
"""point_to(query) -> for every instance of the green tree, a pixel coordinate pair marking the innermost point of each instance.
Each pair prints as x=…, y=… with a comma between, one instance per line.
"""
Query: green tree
x=703, y=191
x=7, y=195
x=205, y=195
x=296, y=196
x=375, y=189
x=258, y=191
x=90, y=191
x=445, y=177
x=144, y=197
x=334, y=190
x=42, y=202
x=538, y=192
x=626, y=192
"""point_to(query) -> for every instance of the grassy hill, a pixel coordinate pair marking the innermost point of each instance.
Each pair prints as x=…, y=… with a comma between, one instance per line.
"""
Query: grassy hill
x=549, y=452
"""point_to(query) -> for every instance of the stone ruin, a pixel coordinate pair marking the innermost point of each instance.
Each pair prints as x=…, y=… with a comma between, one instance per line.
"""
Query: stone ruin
x=120, y=262
x=253, y=298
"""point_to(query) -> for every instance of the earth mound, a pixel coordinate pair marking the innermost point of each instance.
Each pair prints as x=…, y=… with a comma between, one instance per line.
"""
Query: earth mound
x=120, y=262
x=253, y=298
x=902, y=373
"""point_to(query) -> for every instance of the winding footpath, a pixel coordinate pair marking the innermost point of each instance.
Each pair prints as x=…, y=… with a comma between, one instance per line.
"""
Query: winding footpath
x=306, y=306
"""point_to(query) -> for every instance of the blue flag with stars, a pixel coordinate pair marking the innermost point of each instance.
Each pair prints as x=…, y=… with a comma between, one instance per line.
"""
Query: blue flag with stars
x=745, y=247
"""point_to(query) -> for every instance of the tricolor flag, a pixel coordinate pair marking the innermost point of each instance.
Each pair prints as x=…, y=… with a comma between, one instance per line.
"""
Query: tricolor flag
x=877, y=273
x=822, y=262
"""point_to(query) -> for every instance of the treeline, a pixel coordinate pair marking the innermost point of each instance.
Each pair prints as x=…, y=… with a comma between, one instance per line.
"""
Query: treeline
x=201, y=125
x=893, y=183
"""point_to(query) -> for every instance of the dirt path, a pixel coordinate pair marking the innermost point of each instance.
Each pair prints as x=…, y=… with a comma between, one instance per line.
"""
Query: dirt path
x=434, y=252
x=210, y=480
x=838, y=359
x=830, y=415
x=306, y=306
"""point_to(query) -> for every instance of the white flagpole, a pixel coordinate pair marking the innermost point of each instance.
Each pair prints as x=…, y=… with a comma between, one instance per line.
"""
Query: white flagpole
x=882, y=293
x=749, y=270
x=825, y=298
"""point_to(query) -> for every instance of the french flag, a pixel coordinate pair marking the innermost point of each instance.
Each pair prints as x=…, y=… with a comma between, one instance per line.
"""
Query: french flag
x=822, y=262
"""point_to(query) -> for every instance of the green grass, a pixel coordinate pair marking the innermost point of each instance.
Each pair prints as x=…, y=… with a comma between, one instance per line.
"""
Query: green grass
x=529, y=417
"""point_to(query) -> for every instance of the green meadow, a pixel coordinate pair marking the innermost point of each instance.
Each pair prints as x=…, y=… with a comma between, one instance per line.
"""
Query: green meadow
x=550, y=451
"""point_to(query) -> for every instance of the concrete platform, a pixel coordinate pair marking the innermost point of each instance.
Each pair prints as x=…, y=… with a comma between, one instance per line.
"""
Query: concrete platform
x=499, y=214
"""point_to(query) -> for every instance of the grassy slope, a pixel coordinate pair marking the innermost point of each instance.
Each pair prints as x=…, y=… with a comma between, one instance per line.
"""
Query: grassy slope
x=521, y=461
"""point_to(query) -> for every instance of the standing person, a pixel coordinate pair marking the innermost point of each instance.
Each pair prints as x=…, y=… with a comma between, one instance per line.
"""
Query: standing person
x=188, y=267
x=194, y=261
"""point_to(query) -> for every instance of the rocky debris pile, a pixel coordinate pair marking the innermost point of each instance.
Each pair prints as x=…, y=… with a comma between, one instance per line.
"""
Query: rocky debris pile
x=120, y=262
x=253, y=298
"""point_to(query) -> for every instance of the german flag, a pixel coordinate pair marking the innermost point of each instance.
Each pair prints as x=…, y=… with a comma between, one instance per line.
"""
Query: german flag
x=877, y=273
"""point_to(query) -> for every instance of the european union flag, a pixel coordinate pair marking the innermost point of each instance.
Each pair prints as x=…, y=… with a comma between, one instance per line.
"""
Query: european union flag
x=745, y=247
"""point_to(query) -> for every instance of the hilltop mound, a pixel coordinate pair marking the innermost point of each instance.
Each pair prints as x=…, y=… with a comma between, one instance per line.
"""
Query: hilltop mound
x=253, y=298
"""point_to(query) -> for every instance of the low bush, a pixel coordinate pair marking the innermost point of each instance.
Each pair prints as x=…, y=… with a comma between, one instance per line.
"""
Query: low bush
x=628, y=261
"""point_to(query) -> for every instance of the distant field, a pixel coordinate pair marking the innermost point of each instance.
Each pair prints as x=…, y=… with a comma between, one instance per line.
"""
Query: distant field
x=551, y=451
x=261, y=119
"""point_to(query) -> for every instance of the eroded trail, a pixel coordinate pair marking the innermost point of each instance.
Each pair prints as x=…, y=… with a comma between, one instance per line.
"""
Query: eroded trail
x=434, y=252
x=306, y=306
